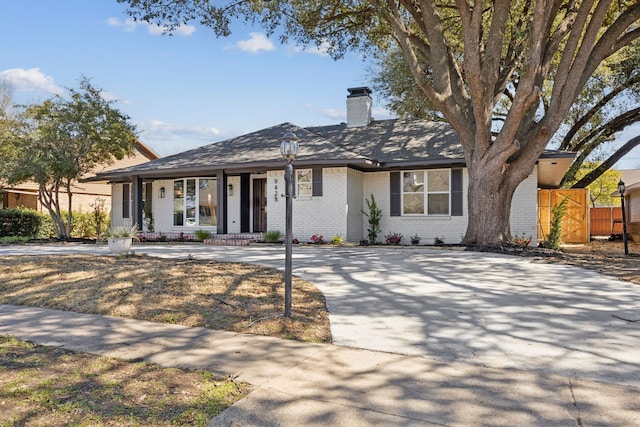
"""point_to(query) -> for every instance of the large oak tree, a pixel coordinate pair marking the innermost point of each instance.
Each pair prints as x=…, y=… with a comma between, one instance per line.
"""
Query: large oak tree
x=464, y=57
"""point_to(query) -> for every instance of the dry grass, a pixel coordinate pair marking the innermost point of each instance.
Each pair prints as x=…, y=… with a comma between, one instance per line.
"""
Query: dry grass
x=48, y=386
x=228, y=296
x=606, y=257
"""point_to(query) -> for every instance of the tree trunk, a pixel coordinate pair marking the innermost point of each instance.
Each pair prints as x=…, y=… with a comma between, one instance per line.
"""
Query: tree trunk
x=490, y=196
x=69, y=213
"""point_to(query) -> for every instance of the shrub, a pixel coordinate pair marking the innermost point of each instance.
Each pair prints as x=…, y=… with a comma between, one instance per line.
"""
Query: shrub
x=272, y=236
x=87, y=224
x=554, y=239
x=415, y=240
x=337, y=239
x=393, y=239
x=374, y=215
x=318, y=239
x=438, y=241
x=123, y=231
x=203, y=234
x=14, y=239
x=19, y=222
x=522, y=241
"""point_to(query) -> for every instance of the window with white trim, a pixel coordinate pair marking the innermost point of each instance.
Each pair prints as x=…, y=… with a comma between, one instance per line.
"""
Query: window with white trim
x=195, y=202
x=304, y=183
x=426, y=192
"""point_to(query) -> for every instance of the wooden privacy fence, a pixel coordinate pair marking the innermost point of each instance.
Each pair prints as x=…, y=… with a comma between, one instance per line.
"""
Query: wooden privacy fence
x=602, y=221
x=575, y=223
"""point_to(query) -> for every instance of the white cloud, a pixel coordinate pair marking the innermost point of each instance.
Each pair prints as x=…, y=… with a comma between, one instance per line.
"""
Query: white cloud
x=334, y=114
x=322, y=50
x=381, y=113
x=255, y=43
x=129, y=25
x=159, y=130
x=30, y=80
x=111, y=97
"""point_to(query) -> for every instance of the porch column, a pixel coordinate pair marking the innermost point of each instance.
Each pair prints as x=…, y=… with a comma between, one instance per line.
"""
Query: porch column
x=221, y=181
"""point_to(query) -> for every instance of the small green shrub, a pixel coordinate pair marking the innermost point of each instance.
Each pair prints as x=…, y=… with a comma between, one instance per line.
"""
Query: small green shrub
x=14, y=239
x=337, y=239
x=415, y=239
x=374, y=215
x=272, y=236
x=203, y=234
x=438, y=241
x=554, y=239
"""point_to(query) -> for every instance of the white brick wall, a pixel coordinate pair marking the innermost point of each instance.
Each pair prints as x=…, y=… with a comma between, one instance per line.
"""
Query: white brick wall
x=163, y=208
x=116, y=206
x=451, y=228
x=325, y=215
x=233, y=206
x=339, y=209
x=524, y=212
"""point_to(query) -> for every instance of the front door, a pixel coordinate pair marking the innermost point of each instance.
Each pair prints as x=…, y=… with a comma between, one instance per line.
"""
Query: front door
x=259, y=205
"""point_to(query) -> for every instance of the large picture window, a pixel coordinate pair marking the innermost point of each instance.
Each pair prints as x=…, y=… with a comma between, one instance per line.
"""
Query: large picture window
x=426, y=192
x=195, y=202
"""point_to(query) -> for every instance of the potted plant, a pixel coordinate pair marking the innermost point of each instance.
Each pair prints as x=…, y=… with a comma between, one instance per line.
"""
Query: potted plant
x=119, y=239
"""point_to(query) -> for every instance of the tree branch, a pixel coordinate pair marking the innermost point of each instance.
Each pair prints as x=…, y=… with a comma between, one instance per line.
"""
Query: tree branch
x=608, y=164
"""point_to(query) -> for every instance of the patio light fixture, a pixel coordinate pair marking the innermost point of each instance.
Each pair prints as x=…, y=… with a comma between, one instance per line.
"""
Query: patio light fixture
x=621, y=189
x=289, y=150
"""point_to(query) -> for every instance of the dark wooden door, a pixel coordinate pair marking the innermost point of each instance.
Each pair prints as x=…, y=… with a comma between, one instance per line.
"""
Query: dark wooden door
x=259, y=205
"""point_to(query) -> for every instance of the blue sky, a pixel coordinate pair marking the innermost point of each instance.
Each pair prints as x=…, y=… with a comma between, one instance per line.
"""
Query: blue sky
x=182, y=91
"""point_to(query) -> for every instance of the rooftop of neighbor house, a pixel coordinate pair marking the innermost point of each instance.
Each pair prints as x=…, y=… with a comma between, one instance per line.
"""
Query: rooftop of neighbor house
x=361, y=143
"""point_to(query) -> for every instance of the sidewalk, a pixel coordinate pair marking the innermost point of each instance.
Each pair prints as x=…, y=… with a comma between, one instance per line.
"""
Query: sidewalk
x=303, y=384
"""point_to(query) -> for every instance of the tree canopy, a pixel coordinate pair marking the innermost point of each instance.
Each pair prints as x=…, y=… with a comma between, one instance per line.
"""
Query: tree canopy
x=528, y=60
x=62, y=139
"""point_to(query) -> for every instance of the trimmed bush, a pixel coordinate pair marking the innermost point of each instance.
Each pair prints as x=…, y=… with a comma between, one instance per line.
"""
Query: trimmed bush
x=19, y=222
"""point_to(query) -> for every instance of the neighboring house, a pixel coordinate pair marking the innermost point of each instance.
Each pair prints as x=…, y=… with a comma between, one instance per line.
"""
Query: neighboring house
x=85, y=194
x=631, y=179
x=414, y=168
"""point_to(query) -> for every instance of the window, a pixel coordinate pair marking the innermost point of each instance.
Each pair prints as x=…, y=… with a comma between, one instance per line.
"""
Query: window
x=303, y=182
x=195, y=202
x=126, y=200
x=426, y=192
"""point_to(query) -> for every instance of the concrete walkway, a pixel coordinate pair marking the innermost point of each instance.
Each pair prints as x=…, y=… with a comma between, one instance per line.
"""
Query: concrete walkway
x=480, y=339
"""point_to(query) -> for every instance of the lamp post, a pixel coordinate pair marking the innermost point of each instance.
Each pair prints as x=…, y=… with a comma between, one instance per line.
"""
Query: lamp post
x=288, y=149
x=621, y=188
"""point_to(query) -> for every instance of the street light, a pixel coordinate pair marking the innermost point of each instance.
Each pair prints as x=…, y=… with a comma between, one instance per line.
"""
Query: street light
x=621, y=188
x=289, y=150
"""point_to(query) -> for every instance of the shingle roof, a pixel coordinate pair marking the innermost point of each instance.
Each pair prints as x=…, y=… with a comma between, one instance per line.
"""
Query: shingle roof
x=397, y=140
x=385, y=143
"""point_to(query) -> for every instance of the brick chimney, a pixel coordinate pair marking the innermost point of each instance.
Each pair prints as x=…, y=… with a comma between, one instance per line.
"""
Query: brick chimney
x=358, y=107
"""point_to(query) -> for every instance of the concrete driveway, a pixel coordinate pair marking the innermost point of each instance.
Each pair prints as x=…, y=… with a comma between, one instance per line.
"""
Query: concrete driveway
x=486, y=309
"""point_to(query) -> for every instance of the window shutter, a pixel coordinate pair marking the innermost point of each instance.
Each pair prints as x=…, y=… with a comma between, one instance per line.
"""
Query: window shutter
x=316, y=177
x=456, y=192
x=394, y=193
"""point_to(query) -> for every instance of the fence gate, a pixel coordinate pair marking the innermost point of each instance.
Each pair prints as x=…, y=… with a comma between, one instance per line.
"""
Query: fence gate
x=575, y=223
